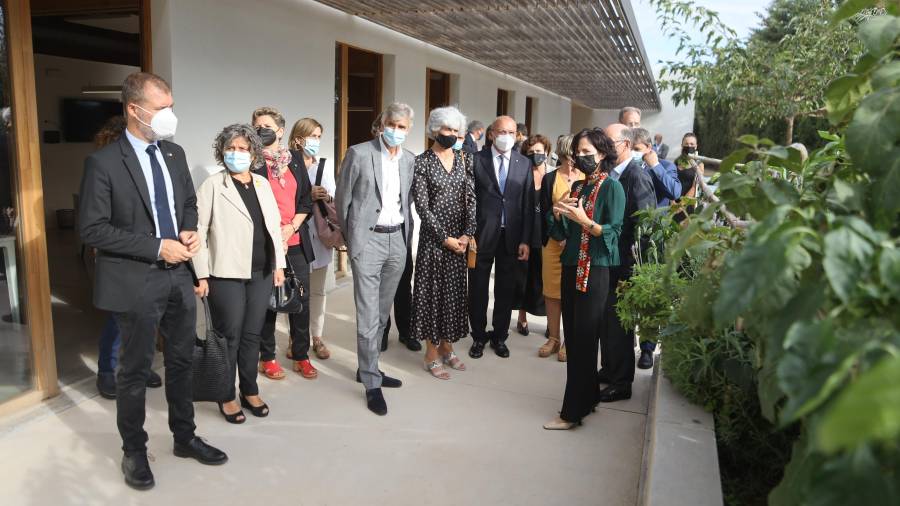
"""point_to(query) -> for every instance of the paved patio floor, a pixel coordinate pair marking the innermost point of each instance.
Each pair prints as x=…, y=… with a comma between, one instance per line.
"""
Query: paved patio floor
x=473, y=440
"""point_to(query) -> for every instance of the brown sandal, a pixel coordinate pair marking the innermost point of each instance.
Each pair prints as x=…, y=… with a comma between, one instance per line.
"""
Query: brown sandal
x=549, y=348
x=320, y=349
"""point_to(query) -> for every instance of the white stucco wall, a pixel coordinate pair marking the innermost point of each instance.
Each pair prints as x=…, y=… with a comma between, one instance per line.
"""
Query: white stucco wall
x=227, y=57
x=671, y=121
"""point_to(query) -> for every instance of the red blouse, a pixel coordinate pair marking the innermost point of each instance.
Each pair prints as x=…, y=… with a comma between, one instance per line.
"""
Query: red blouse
x=286, y=197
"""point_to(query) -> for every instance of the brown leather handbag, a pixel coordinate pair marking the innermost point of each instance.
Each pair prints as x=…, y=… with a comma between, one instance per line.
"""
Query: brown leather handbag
x=325, y=217
x=472, y=254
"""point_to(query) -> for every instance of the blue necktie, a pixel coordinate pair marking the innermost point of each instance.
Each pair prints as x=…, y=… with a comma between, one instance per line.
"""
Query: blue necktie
x=502, y=178
x=161, y=198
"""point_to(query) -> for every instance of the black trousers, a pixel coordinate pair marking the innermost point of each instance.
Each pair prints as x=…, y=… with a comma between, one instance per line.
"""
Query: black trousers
x=506, y=266
x=403, y=300
x=616, y=342
x=167, y=304
x=299, y=322
x=580, y=314
x=238, y=308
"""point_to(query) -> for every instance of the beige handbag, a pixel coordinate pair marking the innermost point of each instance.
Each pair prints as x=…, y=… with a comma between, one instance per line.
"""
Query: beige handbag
x=472, y=254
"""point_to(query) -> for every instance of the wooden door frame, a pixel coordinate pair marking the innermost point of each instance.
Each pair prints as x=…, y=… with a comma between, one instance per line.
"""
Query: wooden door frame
x=428, y=105
x=29, y=195
x=343, y=96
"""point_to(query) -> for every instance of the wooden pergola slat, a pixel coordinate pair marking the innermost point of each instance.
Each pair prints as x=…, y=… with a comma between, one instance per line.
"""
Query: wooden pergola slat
x=586, y=50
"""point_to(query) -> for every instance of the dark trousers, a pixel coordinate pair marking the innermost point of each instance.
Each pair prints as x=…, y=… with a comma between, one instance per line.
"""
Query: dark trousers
x=110, y=340
x=617, y=342
x=166, y=303
x=238, y=308
x=403, y=300
x=506, y=266
x=299, y=322
x=580, y=314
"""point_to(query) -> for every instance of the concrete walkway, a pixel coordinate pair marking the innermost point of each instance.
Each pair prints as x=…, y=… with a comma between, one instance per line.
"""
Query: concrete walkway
x=473, y=440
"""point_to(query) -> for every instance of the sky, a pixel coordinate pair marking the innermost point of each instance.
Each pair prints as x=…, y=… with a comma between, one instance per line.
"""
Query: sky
x=740, y=15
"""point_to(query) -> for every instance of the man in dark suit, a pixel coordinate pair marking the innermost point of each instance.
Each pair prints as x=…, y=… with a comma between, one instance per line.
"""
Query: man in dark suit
x=139, y=211
x=617, y=343
x=504, y=193
x=474, y=132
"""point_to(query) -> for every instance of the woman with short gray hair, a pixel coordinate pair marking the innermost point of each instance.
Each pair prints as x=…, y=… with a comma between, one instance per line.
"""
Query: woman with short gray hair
x=444, y=193
x=241, y=257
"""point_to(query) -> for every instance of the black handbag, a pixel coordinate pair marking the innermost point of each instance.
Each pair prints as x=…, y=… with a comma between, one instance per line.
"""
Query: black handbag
x=287, y=298
x=210, y=364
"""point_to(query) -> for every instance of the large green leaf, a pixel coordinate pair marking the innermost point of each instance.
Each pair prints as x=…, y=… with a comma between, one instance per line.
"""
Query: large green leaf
x=875, y=130
x=847, y=256
x=886, y=75
x=869, y=409
x=889, y=270
x=843, y=95
x=879, y=33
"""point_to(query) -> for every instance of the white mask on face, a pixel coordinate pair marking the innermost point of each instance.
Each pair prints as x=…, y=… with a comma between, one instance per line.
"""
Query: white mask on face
x=504, y=142
x=163, y=123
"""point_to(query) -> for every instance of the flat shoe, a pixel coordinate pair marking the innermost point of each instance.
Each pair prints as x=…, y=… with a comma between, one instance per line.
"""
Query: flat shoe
x=560, y=424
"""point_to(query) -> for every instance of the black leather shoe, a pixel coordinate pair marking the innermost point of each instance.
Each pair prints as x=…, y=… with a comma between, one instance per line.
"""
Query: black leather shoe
x=384, y=339
x=500, y=349
x=137, y=471
x=411, y=344
x=375, y=402
x=602, y=377
x=477, y=349
x=386, y=381
x=203, y=453
x=646, y=360
x=154, y=381
x=106, y=385
x=614, y=393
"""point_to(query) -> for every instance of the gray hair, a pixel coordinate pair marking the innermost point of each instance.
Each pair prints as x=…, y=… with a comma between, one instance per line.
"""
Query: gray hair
x=474, y=125
x=641, y=136
x=441, y=117
x=564, y=145
x=396, y=111
x=232, y=132
x=626, y=135
x=626, y=110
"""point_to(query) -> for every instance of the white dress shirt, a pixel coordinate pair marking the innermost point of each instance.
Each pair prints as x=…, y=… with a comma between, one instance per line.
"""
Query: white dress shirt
x=390, y=214
x=140, y=149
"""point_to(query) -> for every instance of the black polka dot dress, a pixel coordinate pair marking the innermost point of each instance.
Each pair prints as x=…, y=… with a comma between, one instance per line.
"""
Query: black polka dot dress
x=445, y=202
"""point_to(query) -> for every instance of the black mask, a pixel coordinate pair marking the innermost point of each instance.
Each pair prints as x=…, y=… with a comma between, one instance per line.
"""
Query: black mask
x=447, y=141
x=586, y=164
x=689, y=149
x=537, y=158
x=266, y=135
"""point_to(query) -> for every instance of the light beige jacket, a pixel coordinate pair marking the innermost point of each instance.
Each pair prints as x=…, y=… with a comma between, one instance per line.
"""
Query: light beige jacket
x=226, y=228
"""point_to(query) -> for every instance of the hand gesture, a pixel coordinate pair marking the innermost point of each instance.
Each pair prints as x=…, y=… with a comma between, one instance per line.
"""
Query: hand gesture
x=524, y=251
x=575, y=213
x=651, y=158
x=286, y=232
x=452, y=244
x=202, y=288
x=463, y=243
x=174, y=252
x=278, y=277
x=190, y=239
x=319, y=193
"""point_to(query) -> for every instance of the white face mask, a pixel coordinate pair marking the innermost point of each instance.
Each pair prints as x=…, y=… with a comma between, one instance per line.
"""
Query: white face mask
x=504, y=142
x=163, y=123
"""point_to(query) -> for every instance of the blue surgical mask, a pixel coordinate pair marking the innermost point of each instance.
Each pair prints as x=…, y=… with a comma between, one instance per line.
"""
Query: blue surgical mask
x=637, y=156
x=458, y=145
x=237, y=161
x=393, y=137
x=311, y=146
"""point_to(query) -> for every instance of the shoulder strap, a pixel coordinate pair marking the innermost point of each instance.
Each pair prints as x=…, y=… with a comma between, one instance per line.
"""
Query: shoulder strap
x=319, y=171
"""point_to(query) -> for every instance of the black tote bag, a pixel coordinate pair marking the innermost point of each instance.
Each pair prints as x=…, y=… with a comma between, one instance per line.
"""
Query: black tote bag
x=210, y=363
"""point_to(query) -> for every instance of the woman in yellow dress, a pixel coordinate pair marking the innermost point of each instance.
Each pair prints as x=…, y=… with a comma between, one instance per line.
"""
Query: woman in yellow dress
x=555, y=186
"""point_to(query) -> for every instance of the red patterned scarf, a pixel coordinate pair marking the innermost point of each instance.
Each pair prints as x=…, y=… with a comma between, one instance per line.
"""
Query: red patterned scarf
x=278, y=160
x=584, y=260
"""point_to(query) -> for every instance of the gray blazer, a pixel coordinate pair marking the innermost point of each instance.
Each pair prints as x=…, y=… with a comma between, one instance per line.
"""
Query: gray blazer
x=358, y=194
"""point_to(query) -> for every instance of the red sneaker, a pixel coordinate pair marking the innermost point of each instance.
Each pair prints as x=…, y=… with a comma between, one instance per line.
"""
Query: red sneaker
x=306, y=369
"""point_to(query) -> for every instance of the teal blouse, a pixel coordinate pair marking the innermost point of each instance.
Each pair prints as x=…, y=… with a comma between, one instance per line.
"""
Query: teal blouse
x=609, y=212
